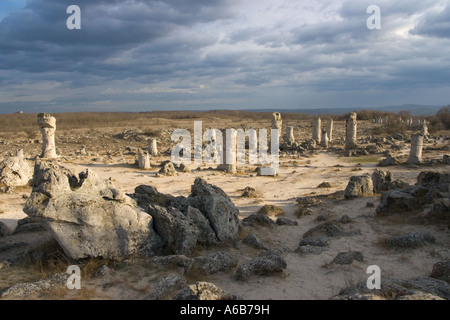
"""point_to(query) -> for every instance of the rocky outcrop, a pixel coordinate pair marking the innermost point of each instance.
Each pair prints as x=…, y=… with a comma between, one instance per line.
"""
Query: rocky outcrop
x=402, y=200
x=15, y=171
x=383, y=181
x=88, y=216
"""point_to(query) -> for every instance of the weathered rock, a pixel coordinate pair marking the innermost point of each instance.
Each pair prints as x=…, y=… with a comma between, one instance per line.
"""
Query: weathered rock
x=253, y=241
x=389, y=161
x=166, y=286
x=249, y=192
x=217, y=207
x=215, y=262
x=88, y=217
x=270, y=209
x=267, y=171
x=168, y=169
x=206, y=235
x=178, y=232
x=30, y=227
x=315, y=242
x=434, y=180
x=397, y=289
x=21, y=290
x=415, y=156
x=204, y=291
x=381, y=180
x=257, y=219
x=358, y=186
x=351, y=131
x=153, y=147
x=345, y=219
x=329, y=229
x=347, y=257
x=441, y=271
x=308, y=249
x=410, y=240
x=180, y=262
x=402, y=200
x=324, y=185
x=261, y=266
x=15, y=171
x=103, y=271
x=282, y=221
x=4, y=231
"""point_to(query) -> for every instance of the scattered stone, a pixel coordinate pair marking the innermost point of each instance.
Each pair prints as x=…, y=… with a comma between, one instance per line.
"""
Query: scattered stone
x=329, y=229
x=205, y=291
x=389, y=161
x=257, y=219
x=267, y=171
x=309, y=249
x=410, y=240
x=182, y=263
x=253, y=241
x=269, y=210
x=215, y=262
x=250, y=192
x=166, y=286
x=359, y=186
x=347, y=257
x=168, y=169
x=441, y=271
x=322, y=217
x=143, y=160
x=261, y=266
x=398, y=289
x=282, y=221
x=324, y=185
x=345, y=219
x=315, y=242
x=434, y=180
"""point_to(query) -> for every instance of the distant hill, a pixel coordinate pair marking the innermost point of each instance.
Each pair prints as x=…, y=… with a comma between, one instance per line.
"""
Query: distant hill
x=415, y=109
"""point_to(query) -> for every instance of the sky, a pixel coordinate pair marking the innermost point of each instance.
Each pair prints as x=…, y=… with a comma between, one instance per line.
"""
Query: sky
x=142, y=55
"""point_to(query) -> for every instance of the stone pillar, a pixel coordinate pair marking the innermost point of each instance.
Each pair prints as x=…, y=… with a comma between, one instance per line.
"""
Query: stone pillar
x=350, y=133
x=424, y=129
x=152, y=147
x=324, y=141
x=316, y=131
x=290, y=139
x=47, y=125
x=229, y=152
x=330, y=130
x=277, y=123
x=143, y=160
x=415, y=155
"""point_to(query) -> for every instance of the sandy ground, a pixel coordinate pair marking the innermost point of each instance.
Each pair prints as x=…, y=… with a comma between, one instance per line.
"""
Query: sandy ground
x=306, y=276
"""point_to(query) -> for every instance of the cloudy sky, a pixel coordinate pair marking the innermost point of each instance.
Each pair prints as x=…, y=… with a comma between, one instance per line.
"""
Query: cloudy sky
x=138, y=55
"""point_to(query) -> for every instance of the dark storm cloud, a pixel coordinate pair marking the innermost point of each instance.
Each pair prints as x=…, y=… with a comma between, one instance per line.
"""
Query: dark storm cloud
x=435, y=24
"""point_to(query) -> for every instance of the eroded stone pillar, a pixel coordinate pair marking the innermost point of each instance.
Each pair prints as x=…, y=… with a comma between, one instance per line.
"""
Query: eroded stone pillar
x=152, y=147
x=143, y=160
x=324, y=140
x=290, y=139
x=350, y=131
x=47, y=126
x=330, y=130
x=415, y=154
x=229, y=152
x=316, y=131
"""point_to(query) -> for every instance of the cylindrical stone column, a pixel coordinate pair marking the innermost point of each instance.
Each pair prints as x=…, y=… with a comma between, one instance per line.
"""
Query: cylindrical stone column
x=324, y=141
x=229, y=151
x=330, y=130
x=152, y=147
x=316, y=130
x=415, y=154
x=47, y=126
x=143, y=160
x=290, y=139
x=350, y=133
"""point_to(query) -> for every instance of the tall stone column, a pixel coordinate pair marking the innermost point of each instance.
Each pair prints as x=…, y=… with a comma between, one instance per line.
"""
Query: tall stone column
x=47, y=126
x=152, y=147
x=330, y=130
x=277, y=123
x=324, y=141
x=415, y=154
x=351, y=130
x=229, y=153
x=316, y=131
x=290, y=139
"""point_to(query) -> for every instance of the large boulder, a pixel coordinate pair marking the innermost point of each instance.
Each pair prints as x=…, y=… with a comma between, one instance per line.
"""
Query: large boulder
x=15, y=171
x=178, y=232
x=434, y=180
x=383, y=181
x=263, y=265
x=87, y=216
x=217, y=207
x=402, y=200
x=359, y=186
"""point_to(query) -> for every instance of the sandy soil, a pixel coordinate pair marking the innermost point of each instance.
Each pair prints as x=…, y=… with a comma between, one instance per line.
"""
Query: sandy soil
x=306, y=276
